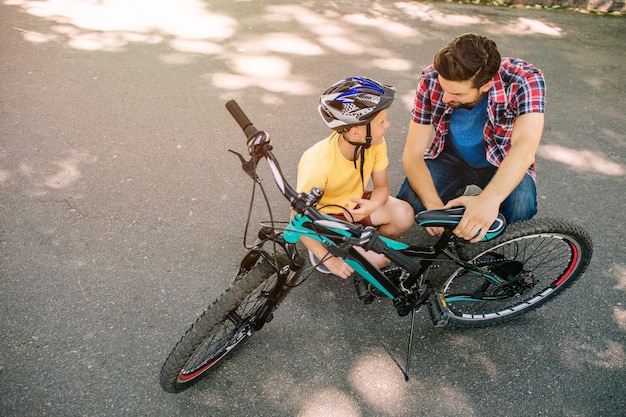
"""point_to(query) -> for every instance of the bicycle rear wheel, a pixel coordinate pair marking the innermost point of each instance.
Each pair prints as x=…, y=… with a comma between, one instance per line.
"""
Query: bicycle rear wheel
x=225, y=324
x=535, y=260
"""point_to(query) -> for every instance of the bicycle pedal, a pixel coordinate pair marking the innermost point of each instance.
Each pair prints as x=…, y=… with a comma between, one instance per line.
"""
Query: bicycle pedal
x=438, y=309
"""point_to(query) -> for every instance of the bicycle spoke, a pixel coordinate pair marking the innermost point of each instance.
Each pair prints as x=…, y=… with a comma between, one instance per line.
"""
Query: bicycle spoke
x=532, y=268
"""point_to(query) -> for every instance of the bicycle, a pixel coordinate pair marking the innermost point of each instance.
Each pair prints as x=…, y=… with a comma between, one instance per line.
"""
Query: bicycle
x=505, y=275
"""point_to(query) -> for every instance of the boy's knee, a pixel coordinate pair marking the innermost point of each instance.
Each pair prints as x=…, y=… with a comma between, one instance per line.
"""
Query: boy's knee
x=406, y=214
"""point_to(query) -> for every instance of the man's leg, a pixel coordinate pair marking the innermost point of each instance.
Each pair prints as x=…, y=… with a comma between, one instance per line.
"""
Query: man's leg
x=449, y=174
x=521, y=204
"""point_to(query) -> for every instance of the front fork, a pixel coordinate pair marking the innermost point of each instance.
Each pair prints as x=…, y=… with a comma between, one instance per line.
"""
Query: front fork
x=286, y=274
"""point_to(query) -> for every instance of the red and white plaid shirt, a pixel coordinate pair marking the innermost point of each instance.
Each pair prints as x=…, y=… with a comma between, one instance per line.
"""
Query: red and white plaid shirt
x=519, y=88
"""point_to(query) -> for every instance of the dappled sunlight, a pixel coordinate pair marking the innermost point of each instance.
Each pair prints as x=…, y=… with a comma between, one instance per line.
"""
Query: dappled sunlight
x=267, y=72
x=112, y=24
x=620, y=277
x=619, y=314
x=611, y=357
x=408, y=99
x=285, y=43
x=393, y=64
x=330, y=403
x=376, y=377
x=469, y=350
x=196, y=46
x=456, y=403
x=427, y=13
x=581, y=160
x=68, y=171
x=525, y=26
x=65, y=173
x=192, y=29
x=343, y=45
x=382, y=24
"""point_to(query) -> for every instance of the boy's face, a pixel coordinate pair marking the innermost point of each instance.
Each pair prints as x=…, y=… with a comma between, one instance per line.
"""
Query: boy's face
x=378, y=125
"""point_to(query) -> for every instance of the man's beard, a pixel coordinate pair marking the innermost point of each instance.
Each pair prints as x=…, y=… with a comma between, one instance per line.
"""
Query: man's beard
x=467, y=106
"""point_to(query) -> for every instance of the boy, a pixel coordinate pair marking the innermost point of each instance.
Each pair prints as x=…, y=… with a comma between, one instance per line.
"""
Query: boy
x=343, y=164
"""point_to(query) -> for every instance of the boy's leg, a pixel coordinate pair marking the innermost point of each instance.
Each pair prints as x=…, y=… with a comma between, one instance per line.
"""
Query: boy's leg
x=393, y=218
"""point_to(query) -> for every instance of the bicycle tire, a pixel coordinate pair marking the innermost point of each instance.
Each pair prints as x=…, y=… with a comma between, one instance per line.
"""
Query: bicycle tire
x=538, y=259
x=219, y=329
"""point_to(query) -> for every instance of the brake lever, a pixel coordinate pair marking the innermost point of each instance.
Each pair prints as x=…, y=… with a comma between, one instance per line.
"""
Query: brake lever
x=249, y=167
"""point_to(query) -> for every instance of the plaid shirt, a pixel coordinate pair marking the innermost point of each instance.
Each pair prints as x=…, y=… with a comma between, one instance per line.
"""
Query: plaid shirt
x=519, y=88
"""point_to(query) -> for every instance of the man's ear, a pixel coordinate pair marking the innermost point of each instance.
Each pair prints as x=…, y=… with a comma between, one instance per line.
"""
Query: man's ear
x=486, y=87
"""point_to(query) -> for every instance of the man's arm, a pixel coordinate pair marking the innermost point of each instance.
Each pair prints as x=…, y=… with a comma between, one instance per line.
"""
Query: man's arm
x=417, y=173
x=482, y=210
x=417, y=140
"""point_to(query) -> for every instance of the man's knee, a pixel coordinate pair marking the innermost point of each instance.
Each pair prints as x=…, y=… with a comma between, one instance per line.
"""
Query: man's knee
x=522, y=203
x=407, y=194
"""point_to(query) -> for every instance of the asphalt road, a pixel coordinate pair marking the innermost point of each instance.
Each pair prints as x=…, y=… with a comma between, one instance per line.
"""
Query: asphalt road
x=122, y=213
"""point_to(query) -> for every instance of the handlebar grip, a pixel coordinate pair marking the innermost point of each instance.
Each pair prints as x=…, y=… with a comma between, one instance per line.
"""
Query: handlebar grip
x=241, y=118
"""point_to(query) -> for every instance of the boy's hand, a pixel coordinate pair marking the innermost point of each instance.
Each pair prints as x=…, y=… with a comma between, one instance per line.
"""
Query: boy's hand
x=363, y=208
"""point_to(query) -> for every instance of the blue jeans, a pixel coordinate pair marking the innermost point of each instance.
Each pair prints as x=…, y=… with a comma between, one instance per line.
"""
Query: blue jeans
x=451, y=175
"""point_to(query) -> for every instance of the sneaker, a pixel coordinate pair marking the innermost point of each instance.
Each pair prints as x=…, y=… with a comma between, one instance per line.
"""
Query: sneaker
x=362, y=290
x=317, y=264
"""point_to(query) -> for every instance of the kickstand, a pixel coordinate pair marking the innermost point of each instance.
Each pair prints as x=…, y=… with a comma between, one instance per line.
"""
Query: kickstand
x=408, y=354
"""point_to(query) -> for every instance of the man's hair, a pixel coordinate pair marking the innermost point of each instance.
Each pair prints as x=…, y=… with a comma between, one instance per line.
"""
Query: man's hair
x=468, y=57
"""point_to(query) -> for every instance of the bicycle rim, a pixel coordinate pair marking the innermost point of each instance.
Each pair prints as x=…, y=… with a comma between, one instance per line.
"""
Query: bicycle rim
x=533, y=269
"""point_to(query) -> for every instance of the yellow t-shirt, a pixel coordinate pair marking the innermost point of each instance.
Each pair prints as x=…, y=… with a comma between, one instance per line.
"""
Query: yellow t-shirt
x=324, y=166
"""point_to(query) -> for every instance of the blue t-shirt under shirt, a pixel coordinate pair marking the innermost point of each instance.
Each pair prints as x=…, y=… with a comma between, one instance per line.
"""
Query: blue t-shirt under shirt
x=466, y=134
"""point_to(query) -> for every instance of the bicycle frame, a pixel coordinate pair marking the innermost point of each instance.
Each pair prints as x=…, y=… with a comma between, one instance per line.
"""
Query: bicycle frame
x=341, y=237
x=331, y=233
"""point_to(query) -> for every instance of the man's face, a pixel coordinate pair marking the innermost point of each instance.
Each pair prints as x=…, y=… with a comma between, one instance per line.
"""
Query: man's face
x=461, y=94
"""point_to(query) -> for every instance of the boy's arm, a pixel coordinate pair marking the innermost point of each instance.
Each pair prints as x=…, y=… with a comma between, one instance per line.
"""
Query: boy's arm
x=378, y=198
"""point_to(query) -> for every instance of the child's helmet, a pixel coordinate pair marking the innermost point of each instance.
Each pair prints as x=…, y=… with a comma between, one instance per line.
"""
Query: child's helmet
x=354, y=101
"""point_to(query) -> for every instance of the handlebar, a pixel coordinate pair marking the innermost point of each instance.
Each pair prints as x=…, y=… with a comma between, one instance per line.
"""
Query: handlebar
x=240, y=117
x=259, y=144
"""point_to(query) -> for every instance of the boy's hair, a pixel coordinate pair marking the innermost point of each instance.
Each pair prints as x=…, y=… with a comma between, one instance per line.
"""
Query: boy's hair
x=468, y=57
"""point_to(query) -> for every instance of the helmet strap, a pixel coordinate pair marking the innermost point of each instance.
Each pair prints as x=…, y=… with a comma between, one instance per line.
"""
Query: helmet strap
x=360, y=148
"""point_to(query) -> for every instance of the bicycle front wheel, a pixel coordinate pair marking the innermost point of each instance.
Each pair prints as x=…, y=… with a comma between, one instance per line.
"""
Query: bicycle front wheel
x=225, y=324
x=527, y=266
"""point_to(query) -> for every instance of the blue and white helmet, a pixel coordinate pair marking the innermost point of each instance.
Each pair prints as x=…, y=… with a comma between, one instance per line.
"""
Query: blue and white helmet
x=354, y=101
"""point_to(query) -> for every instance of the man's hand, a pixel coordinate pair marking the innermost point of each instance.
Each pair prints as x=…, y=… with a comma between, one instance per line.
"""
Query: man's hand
x=480, y=213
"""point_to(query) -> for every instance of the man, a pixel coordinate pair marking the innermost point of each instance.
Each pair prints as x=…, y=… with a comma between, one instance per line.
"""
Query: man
x=477, y=119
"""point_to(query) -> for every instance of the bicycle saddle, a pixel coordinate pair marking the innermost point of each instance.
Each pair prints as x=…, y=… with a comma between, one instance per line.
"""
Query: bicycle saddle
x=451, y=217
